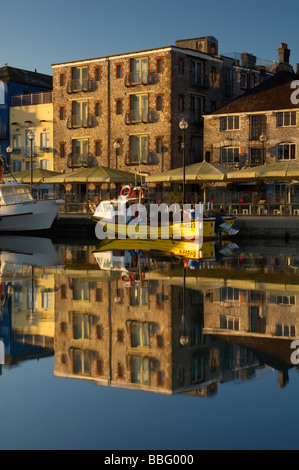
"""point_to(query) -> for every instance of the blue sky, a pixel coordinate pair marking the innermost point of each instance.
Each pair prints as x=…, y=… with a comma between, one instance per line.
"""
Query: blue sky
x=38, y=33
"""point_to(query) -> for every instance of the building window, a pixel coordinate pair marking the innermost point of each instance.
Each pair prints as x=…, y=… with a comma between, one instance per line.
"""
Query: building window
x=159, y=145
x=228, y=123
x=139, y=108
x=97, y=74
x=79, y=79
x=98, y=151
x=120, y=335
x=97, y=111
x=257, y=126
x=138, y=148
x=244, y=81
x=287, y=118
x=62, y=113
x=61, y=79
x=255, y=156
x=213, y=76
x=196, y=109
x=45, y=164
x=159, y=66
x=79, y=114
x=286, y=152
x=181, y=66
x=16, y=141
x=159, y=103
x=181, y=103
x=197, y=73
x=79, y=152
x=139, y=70
x=45, y=140
x=62, y=150
x=119, y=107
x=230, y=155
x=119, y=71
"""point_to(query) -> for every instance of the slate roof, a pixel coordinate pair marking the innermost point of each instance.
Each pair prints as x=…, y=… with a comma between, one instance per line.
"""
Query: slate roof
x=12, y=74
x=272, y=94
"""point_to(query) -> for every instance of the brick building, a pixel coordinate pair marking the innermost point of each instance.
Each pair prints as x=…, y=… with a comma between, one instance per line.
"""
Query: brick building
x=123, y=111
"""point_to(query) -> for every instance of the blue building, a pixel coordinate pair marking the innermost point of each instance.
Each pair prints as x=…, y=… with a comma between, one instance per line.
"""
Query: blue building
x=13, y=82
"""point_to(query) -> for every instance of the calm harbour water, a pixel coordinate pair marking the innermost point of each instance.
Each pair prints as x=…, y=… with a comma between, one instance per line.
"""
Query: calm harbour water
x=114, y=349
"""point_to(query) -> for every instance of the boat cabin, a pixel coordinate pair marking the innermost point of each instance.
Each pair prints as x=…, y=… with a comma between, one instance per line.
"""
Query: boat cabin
x=15, y=194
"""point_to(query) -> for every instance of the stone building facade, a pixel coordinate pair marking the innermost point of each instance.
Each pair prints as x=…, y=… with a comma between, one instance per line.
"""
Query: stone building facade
x=123, y=111
x=261, y=126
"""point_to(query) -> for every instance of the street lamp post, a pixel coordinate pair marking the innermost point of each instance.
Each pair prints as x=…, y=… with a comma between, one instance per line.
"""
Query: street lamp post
x=263, y=139
x=31, y=137
x=116, y=145
x=183, y=126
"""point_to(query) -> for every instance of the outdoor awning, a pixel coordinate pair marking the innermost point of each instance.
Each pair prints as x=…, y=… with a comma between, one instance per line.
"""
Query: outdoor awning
x=197, y=173
x=278, y=171
x=97, y=174
x=38, y=175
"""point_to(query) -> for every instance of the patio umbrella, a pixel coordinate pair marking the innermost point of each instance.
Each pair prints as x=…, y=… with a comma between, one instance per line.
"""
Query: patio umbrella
x=197, y=173
x=278, y=171
x=97, y=174
x=38, y=175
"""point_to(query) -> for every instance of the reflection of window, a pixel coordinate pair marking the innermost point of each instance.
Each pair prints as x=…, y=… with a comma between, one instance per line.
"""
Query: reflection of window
x=140, y=370
x=16, y=141
x=286, y=151
x=257, y=323
x=80, y=289
x=285, y=330
x=229, y=293
x=139, y=295
x=81, y=326
x=81, y=362
x=139, y=334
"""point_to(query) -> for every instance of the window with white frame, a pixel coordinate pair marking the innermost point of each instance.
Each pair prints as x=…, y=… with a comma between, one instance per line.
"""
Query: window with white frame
x=45, y=164
x=228, y=123
x=230, y=155
x=286, y=118
x=286, y=151
x=45, y=140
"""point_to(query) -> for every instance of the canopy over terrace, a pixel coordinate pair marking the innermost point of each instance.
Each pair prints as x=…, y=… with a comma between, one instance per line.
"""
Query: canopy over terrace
x=39, y=175
x=97, y=175
x=202, y=172
x=278, y=171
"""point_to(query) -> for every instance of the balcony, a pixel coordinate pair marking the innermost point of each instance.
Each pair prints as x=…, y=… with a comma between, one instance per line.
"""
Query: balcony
x=78, y=86
x=136, y=116
x=135, y=157
x=141, y=78
x=31, y=99
x=25, y=151
x=74, y=122
x=78, y=161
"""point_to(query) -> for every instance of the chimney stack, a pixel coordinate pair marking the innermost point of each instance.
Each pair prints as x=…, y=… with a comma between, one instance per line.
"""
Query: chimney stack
x=284, y=53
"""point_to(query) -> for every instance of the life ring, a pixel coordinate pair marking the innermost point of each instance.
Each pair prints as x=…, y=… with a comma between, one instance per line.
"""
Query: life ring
x=129, y=188
x=139, y=192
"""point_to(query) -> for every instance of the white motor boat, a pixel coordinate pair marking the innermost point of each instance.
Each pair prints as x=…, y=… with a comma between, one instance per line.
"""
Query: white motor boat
x=20, y=212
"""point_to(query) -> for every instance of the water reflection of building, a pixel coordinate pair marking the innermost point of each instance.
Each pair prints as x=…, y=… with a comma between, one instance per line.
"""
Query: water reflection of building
x=145, y=334
x=27, y=269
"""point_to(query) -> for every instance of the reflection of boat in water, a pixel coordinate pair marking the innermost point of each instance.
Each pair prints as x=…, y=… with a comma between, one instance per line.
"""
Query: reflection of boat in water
x=30, y=251
x=178, y=248
x=123, y=218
